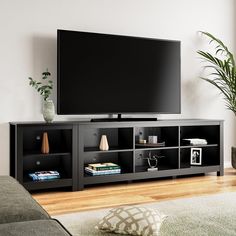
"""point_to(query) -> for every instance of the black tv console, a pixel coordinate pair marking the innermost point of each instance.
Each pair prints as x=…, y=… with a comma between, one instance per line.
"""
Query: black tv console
x=74, y=145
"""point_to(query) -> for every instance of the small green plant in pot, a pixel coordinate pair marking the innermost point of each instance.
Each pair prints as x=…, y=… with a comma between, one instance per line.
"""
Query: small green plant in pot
x=222, y=75
x=45, y=88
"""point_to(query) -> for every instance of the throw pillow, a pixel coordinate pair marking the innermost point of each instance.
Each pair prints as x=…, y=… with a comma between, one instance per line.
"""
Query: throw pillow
x=132, y=220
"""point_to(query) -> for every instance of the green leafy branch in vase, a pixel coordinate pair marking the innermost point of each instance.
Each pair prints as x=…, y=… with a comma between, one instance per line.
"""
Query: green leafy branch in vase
x=45, y=88
x=222, y=70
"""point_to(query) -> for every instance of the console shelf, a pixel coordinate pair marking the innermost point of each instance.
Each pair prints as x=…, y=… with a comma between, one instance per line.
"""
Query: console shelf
x=156, y=148
x=46, y=184
x=160, y=168
x=75, y=145
x=200, y=146
x=111, y=149
x=38, y=154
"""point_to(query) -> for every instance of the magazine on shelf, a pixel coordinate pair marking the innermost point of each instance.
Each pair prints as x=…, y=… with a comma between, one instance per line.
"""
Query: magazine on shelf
x=46, y=173
x=36, y=177
x=104, y=166
x=90, y=171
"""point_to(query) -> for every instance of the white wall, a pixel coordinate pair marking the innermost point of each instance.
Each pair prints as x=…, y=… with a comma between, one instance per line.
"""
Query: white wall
x=28, y=46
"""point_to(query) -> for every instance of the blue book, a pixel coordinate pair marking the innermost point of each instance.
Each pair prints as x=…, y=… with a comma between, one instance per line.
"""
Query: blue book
x=35, y=177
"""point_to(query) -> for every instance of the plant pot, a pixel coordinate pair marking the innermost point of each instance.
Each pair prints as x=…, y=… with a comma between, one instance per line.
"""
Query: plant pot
x=233, y=157
x=48, y=111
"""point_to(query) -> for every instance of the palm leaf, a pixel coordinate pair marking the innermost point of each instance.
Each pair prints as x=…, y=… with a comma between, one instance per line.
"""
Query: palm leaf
x=220, y=45
x=223, y=71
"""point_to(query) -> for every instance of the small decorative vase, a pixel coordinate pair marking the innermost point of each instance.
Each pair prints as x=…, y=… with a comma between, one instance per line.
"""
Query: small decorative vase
x=45, y=144
x=103, y=143
x=48, y=111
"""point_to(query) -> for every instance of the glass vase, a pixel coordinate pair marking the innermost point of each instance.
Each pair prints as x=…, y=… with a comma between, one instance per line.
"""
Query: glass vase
x=48, y=111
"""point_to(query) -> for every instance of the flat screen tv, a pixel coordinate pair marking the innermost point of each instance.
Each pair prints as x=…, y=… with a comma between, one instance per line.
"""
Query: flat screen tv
x=114, y=74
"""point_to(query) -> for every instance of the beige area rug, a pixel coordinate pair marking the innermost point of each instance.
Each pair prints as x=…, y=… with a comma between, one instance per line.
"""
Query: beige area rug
x=210, y=215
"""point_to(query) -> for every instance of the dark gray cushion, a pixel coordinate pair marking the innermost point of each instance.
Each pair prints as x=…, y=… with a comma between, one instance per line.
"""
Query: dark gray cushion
x=16, y=204
x=33, y=228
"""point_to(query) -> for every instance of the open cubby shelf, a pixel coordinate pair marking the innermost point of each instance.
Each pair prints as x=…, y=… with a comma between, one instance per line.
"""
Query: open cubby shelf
x=30, y=159
x=74, y=145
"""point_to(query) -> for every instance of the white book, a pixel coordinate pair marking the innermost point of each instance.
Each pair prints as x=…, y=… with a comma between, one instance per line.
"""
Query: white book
x=46, y=173
x=196, y=141
x=115, y=171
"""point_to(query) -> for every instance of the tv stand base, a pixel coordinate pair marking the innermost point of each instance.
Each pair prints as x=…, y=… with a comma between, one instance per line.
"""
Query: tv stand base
x=120, y=119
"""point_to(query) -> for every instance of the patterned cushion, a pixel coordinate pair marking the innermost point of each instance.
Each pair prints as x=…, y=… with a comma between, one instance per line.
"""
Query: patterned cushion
x=132, y=220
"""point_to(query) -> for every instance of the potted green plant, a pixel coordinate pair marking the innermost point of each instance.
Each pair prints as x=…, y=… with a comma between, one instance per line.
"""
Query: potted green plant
x=222, y=75
x=45, y=88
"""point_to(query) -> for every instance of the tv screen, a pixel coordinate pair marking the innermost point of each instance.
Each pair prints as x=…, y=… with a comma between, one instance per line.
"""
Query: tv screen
x=112, y=74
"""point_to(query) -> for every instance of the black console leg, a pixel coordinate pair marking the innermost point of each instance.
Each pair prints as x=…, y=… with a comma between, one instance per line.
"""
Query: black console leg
x=220, y=173
x=80, y=187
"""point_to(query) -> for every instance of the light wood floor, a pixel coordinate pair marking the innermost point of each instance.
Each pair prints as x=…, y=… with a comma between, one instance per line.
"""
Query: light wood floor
x=135, y=193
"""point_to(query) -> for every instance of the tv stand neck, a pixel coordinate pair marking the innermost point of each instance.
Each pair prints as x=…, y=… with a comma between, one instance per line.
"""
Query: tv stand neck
x=120, y=119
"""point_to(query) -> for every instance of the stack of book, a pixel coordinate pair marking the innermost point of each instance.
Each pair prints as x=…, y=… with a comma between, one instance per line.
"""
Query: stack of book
x=103, y=169
x=195, y=141
x=44, y=175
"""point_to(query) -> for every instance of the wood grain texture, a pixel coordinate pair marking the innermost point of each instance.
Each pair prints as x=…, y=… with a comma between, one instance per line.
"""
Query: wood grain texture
x=103, y=196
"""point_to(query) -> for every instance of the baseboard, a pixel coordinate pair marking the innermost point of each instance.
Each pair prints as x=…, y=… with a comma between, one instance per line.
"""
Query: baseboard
x=227, y=164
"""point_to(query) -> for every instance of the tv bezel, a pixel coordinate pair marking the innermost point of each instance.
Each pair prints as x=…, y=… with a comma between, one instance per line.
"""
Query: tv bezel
x=120, y=112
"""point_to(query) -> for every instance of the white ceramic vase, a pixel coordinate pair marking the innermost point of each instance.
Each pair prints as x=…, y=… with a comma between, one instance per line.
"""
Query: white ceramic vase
x=104, y=143
x=48, y=111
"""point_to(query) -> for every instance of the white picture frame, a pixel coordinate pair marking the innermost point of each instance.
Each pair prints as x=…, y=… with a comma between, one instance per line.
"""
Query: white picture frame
x=196, y=156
